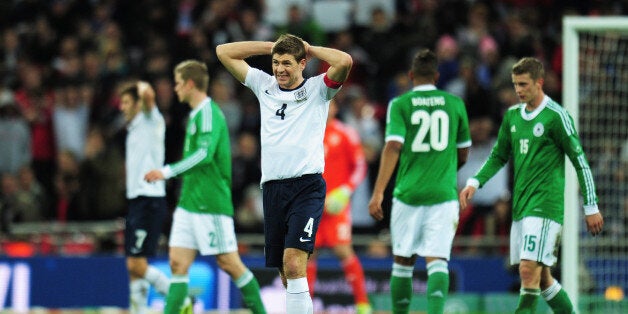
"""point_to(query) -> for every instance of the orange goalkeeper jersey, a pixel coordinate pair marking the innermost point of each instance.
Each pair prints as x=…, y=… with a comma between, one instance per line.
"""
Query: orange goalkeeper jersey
x=345, y=163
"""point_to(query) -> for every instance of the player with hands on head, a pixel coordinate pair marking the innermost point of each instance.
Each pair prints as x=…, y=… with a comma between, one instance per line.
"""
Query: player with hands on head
x=427, y=134
x=147, y=207
x=345, y=169
x=537, y=134
x=203, y=219
x=293, y=117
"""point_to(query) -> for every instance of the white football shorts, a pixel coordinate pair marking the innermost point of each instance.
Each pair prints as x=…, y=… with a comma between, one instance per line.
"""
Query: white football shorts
x=208, y=233
x=426, y=231
x=534, y=239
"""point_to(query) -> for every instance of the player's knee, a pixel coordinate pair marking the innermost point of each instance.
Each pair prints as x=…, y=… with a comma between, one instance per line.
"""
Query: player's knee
x=231, y=264
x=405, y=261
x=137, y=268
x=294, y=268
x=177, y=266
x=529, y=273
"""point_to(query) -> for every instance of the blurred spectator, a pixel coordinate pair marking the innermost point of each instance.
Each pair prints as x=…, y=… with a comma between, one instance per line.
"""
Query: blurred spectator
x=520, y=39
x=478, y=99
x=16, y=204
x=67, y=187
x=70, y=117
x=246, y=167
x=495, y=194
x=102, y=188
x=33, y=193
x=489, y=61
x=222, y=91
x=40, y=40
x=470, y=35
x=8, y=191
x=15, y=137
x=249, y=214
x=447, y=52
x=10, y=53
x=379, y=33
x=248, y=26
x=301, y=24
x=36, y=102
x=67, y=62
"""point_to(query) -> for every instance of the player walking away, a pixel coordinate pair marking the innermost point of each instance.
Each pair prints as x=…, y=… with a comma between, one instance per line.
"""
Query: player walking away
x=536, y=134
x=427, y=132
x=345, y=169
x=203, y=219
x=293, y=118
x=147, y=206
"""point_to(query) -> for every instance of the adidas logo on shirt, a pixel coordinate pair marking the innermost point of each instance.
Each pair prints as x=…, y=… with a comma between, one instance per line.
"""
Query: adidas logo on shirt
x=513, y=129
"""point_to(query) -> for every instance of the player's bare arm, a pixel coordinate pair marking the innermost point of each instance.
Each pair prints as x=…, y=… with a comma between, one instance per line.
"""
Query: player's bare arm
x=390, y=156
x=340, y=62
x=147, y=96
x=232, y=55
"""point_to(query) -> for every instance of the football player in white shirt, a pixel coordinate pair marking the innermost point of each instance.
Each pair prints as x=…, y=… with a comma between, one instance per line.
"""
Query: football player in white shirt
x=293, y=117
x=147, y=206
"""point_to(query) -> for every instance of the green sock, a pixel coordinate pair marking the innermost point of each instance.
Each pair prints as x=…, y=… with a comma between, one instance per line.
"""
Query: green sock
x=527, y=301
x=557, y=298
x=437, y=286
x=249, y=286
x=401, y=288
x=176, y=294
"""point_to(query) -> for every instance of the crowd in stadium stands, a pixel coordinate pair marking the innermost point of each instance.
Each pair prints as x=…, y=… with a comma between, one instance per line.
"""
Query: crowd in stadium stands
x=62, y=62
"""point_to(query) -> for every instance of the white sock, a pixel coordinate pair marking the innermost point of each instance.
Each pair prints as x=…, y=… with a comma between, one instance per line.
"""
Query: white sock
x=138, y=297
x=298, y=300
x=157, y=279
x=551, y=291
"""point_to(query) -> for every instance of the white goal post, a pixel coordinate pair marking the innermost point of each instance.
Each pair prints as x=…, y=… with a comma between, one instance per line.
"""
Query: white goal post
x=575, y=85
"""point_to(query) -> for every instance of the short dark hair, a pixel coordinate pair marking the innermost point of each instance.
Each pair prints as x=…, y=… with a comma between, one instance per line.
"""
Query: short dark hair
x=425, y=64
x=131, y=90
x=194, y=70
x=289, y=44
x=532, y=66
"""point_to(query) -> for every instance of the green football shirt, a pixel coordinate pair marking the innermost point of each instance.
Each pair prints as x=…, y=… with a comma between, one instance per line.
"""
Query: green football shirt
x=206, y=165
x=432, y=125
x=537, y=142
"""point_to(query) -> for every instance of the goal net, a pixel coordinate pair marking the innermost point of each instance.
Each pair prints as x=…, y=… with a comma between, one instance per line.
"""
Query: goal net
x=594, y=270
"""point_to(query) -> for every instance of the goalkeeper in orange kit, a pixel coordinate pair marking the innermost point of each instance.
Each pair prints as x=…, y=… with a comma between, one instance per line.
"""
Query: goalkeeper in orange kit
x=345, y=168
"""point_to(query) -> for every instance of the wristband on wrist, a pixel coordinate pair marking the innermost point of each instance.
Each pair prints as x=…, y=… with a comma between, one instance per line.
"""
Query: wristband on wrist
x=591, y=209
x=473, y=182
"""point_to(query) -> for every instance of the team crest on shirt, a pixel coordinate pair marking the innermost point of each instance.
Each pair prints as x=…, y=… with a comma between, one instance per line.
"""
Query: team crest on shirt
x=538, y=129
x=300, y=95
x=193, y=129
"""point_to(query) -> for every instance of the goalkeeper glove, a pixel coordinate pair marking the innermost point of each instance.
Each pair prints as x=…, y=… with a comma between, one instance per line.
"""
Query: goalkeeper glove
x=337, y=199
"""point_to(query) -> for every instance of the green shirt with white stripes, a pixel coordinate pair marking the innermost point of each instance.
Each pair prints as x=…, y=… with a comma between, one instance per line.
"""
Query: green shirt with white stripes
x=537, y=142
x=206, y=165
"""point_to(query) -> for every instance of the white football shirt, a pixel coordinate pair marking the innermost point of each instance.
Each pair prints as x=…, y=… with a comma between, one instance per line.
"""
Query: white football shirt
x=145, y=150
x=292, y=124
